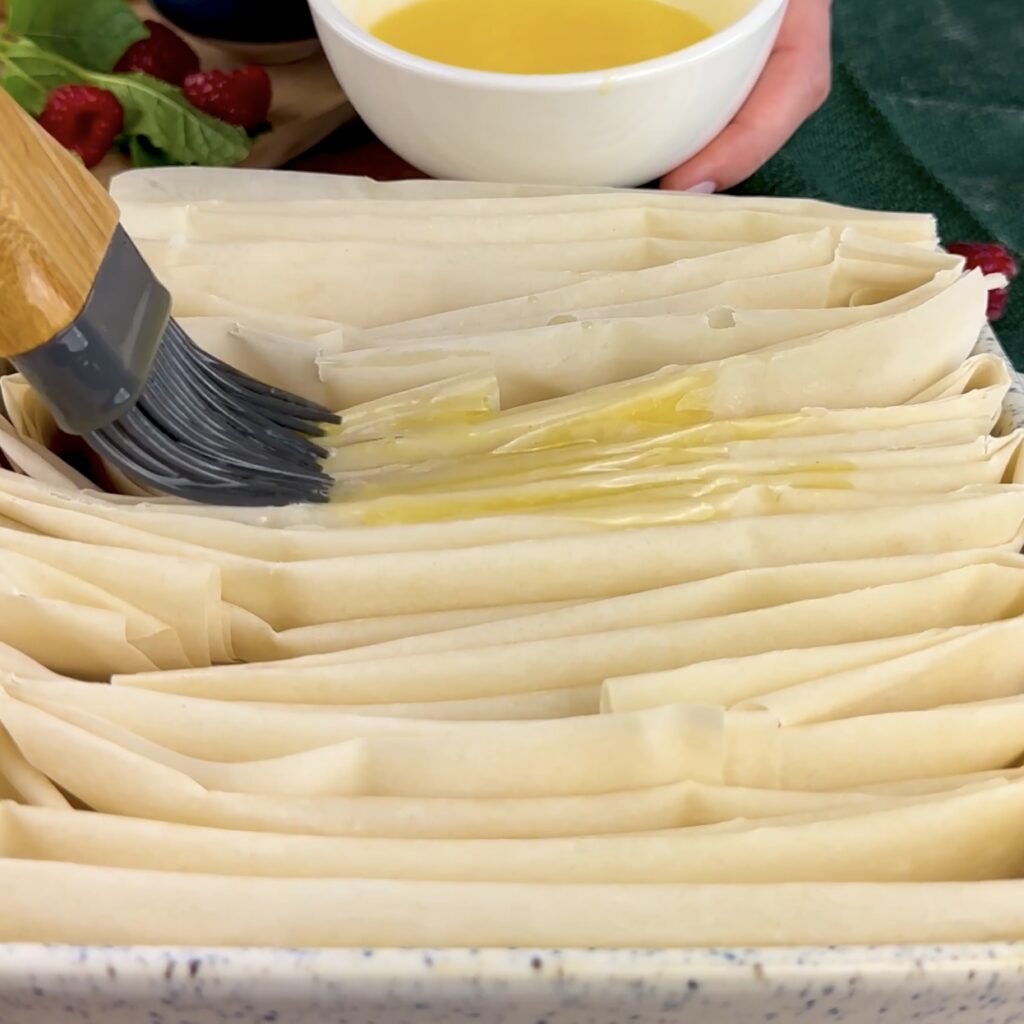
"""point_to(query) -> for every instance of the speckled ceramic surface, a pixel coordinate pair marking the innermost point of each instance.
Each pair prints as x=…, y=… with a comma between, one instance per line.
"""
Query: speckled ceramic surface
x=968, y=984
x=981, y=984
x=1014, y=401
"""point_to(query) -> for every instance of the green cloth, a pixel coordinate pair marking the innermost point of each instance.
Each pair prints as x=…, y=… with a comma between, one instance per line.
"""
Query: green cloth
x=926, y=113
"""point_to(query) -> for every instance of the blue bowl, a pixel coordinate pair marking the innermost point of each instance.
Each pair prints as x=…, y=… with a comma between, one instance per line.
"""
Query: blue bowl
x=241, y=21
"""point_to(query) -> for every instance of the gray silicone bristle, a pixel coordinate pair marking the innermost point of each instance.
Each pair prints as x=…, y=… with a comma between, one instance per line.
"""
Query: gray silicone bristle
x=167, y=414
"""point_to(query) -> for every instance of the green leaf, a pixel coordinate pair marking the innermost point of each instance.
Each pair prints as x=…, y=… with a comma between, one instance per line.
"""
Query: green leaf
x=160, y=113
x=142, y=154
x=92, y=33
x=29, y=74
x=153, y=110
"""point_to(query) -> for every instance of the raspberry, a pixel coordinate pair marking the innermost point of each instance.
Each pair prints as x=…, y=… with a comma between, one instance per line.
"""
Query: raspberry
x=997, y=300
x=990, y=259
x=239, y=97
x=83, y=119
x=164, y=55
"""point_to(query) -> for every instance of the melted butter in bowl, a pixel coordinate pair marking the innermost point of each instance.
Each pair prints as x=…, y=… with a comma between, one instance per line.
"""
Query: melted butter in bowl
x=540, y=37
x=568, y=92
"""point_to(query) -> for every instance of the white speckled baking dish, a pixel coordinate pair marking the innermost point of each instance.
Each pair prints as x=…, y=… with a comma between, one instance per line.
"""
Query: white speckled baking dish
x=965, y=984
x=968, y=984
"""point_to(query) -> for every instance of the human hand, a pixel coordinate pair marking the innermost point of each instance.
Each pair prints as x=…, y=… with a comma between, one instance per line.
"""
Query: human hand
x=794, y=83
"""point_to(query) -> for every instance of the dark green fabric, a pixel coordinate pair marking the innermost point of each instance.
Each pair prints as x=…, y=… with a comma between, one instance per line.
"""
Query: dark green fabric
x=926, y=113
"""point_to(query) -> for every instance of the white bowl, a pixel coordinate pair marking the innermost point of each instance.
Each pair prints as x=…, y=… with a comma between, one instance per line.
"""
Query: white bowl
x=624, y=126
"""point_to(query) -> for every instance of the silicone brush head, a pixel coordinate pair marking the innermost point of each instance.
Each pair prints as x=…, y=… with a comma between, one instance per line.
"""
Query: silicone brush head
x=168, y=415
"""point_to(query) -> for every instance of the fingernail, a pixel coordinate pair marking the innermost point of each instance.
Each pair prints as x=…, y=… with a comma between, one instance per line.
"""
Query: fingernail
x=704, y=187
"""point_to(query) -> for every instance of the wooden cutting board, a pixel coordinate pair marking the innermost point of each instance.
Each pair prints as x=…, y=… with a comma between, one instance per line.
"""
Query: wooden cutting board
x=308, y=105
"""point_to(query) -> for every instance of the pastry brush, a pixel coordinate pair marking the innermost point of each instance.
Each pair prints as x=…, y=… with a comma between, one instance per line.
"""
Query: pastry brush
x=85, y=321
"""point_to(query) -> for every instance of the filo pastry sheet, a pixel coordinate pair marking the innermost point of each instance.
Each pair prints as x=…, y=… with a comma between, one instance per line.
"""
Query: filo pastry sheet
x=670, y=593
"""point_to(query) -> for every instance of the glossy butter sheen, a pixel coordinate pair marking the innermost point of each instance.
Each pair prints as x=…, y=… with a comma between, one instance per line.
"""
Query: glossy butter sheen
x=540, y=37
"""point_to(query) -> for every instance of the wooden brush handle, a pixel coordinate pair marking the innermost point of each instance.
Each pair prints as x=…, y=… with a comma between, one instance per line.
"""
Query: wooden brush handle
x=56, y=222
